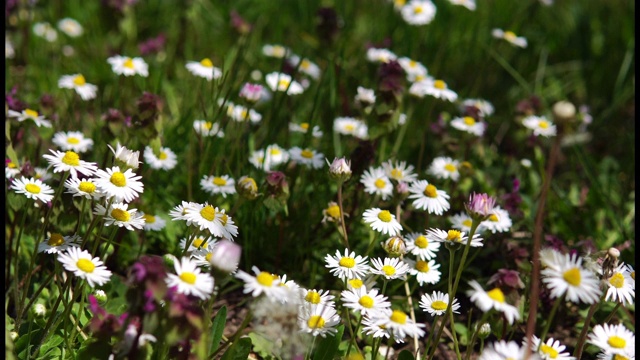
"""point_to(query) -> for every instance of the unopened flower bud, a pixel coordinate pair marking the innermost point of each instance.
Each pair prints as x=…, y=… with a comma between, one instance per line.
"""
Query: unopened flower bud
x=340, y=169
x=13, y=335
x=101, y=296
x=480, y=206
x=169, y=260
x=484, y=331
x=38, y=310
x=251, y=92
x=247, y=187
x=226, y=256
x=564, y=110
x=395, y=246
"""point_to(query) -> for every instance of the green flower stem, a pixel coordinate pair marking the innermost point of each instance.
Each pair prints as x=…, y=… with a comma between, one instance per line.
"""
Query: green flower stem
x=352, y=332
x=412, y=312
x=375, y=347
x=613, y=312
x=191, y=235
x=109, y=242
x=475, y=335
x=99, y=233
x=456, y=346
x=17, y=255
x=313, y=344
x=344, y=227
x=389, y=343
x=547, y=326
x=52, y=315
x=80, y=215
x=42, y=286
x=585, y=328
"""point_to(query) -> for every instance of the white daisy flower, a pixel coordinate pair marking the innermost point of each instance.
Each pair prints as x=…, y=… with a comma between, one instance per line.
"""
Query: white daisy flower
x=32, y=189
x=165, y=160
x=213, y=219
x=365, y=301
x=28, y=114
x=84, y=266
x=204, y=69
x=454, y=237
x=493, y=299
x=319, y=320
x=420, y=85
x=419, y=246
x=190, y=280
x=413, y=69
x=9, y=50
x=308, y=157
x=428, y=197
x=207, y=128
x=498, y=221
x=306, y=66
x=11, y=170
x=69, y=161
x=312, y=297
x=389, y=268
x=124, y=65
x=276, y=51
x=347, y=266
x=199, y=243
x=72, y=140
x=369, y=282
x=382, y=221
x=484, y=107
x=46, y=31
x=283, y=82
x=351, y=126
x=119, y=185
x=503, y=350
x=86, y=188
x=571, y=279
x=399, y=171
x=204, y=255
x=262, y=282
x=70, y=27
x=79, y=84
x=373, y=324
x=127, y=156
x=469, y=4
x=468, y=124
x=551, y=350
x=179, y=212
x=380, y=55
x=437, y=303
x=118, y=214
x=440, y=90
x=425, y=272
x=376, y=182
x=613, y=339
x=365, y=96
x=444, y=167
x=58, y=243
x=632, y=274
x=241, y=113
x=418, y=12
x=223, y=185
x=621, y=286
x=153, y=222
x=269, y=158
x=610, y=356
x=400, y=325
x=304, y=128
x=509, y=36
x=540, y=126
x=462, y=221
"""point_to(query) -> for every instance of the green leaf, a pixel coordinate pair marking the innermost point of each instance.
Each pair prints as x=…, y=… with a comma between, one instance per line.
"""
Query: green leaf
x=464, y=334
x=239, y=350
x=94, y=349
x=328, y=346
x=405, y=355
x=261, y=345
x=16, y=201
x=217, y=328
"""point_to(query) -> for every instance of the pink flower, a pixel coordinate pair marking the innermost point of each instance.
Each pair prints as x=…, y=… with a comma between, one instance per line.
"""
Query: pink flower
x=480, y=206
x=251, y=92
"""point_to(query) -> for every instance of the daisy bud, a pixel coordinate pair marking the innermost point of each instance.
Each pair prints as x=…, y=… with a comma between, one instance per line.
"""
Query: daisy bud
x=340, y=169
x=169, y=260
x=247, y=188
x=38, y=310
x=226, y=256
x=480, y=206
x=564, y=110
x=251, y=92
x=13, y=335
x=484, y=331
x=101, y=296
x=394, y=246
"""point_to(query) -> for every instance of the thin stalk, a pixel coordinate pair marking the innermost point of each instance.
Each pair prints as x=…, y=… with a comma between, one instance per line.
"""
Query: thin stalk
x=585, y=329
x=475, y=335
x=109, y=242
x=353, y=333
x=344, y=228
x=313, y=344
x=547, y=326
x=412, y=313
x=52, y=316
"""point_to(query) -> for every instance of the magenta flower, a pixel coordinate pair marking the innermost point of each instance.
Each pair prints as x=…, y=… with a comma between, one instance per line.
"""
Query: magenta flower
x=251, y=92
x=480, y=206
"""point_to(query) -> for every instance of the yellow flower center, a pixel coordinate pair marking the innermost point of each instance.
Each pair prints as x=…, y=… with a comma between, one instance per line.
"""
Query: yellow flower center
x=207, y=125
x=32, y=188
x=469, y=121
x=249, y=184
x=120, y=215
x=467, y=223
x=494, y=218
x=439, y=305
x=162, y=156
x=422, y=242
x=334, y=211
x=86, y=265
x=206, y=62
x=454, y=235
x=70, y=158
x=543, y=124
x=385, y=216
x=218, y=181
x=208, y=256
x=315, y=322
x=312, y=297
x=388, y=270
x=546, y=349
x=399, y=3
x=31, y=113
x=496, y=294
x=349, y=127
x=617, y=280
x=128, y=63
x=616, y=342
x=87, y=187
x=12, y=165
x=149, y=219
x=275, y=151
x=417, y=10
x=347, y=262
x=73, y=140
x=305, y=126
x=305, y=64
x=356, y=283
x=283, y=83
x=633, y=275
x=396, y=173
x=450, y=168
x=422, y=266
x=55, y=240
x=306, y=154
x=264, y=279
x=439, y=84
x=431, y=191
x=278, y=51
x=79, y=80
x=118, y=179
x=620, y=357
x=366, y=301
x=510, y=35
x=399, y=317
x=223, y=219
x=199, y=242
x=572, y=276
x=208, y=212
x=413, y=63
x=188, y=277
x=380, y=183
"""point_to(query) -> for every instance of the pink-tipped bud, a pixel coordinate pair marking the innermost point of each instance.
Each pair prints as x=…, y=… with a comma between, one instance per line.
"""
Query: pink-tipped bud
x=480, y=205
x=251, y=92
x=226, y=256
x=340, y=169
